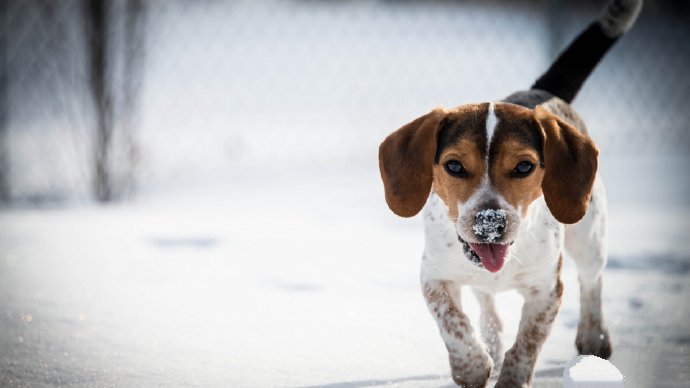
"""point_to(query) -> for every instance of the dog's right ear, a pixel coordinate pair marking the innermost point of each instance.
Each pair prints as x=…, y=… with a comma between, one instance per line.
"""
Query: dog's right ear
x=405, y=160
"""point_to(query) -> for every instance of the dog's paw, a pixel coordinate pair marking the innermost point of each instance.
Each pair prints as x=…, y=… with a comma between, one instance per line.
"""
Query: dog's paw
x=511, y=384
x=473, y=371
x=593, y=340
x=516, y=371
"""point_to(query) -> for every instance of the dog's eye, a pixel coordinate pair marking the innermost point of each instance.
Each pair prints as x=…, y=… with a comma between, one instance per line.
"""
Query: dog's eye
x=523, y=169
x=455, y=168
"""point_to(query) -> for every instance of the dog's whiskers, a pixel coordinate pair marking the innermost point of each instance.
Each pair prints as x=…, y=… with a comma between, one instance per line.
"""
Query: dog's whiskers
x=517, y=258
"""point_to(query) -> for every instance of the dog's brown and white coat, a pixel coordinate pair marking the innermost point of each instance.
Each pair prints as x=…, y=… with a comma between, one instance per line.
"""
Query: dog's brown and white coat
x=505, y=188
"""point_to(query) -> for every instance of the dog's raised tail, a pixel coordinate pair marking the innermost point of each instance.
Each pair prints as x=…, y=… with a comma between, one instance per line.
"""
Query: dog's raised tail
x=570, y=70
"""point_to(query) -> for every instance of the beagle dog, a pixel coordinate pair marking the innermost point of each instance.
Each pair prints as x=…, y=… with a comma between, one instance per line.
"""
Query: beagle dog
x=504, y=188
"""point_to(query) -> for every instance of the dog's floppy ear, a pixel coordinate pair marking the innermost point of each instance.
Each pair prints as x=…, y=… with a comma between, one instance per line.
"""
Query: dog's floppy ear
x=570, y=163
x=405, y=160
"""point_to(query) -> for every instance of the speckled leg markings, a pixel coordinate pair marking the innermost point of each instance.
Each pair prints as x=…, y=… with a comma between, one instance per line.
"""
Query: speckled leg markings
x=592, y=333
x=470, y=362
x=491, y=327
x=586, y=243
x=540, y=309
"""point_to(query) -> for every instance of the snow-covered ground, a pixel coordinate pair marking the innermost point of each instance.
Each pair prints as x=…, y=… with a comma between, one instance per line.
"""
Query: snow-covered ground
x=304, y=278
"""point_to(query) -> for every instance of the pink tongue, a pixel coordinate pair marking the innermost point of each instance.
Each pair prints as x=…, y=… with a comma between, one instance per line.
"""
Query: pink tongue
x=492, y=255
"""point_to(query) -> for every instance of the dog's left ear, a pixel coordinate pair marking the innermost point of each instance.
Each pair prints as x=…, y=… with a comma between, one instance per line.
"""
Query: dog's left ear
x=405, y=159
x=570, y=163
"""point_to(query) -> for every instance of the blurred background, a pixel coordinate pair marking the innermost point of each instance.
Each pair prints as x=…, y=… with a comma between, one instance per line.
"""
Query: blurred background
x=103, y=100
x=190, y=191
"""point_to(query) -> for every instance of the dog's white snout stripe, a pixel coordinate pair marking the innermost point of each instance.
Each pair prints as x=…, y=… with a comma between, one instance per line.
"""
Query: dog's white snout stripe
x=491, y=122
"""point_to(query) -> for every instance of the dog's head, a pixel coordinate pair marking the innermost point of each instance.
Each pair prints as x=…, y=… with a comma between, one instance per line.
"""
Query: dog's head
x=488, y=163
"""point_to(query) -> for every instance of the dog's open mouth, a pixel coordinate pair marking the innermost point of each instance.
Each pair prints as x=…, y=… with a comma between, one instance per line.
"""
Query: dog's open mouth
x=490, y=256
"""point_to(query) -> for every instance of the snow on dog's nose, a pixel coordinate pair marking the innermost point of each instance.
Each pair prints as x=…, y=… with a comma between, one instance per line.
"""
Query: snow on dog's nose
x=489, y=224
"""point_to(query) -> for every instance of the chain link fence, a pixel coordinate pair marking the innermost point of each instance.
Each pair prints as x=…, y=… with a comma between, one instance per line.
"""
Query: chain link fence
x=198, y=90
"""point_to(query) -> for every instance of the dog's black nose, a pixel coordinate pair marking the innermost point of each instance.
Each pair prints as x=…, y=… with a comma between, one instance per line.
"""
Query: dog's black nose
x=489, y=224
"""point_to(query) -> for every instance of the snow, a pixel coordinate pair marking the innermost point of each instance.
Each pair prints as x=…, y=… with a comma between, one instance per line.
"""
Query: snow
x=489, y=223
x=591, y=372
x=302, y=278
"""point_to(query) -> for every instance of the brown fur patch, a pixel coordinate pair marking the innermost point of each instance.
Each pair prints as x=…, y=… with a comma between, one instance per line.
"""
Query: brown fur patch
x=464, y=122
x=405, y=159
x=452, y=189
x=519, y=192
x=517, y=123
x=570, y=160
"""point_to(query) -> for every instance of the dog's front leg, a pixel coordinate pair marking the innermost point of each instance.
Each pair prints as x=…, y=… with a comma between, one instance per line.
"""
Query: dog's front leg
x=470, y=362
x=538, y=312
x=491, y=326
